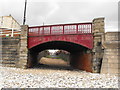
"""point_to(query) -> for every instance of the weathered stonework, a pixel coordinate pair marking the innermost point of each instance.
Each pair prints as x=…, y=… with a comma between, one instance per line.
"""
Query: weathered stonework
x=14, y=50
x=9, y=51
x=23, y=50
x=111, y=59
x=98, y=32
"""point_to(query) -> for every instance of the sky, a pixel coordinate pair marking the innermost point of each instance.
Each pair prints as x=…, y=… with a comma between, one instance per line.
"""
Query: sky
x=62, y=11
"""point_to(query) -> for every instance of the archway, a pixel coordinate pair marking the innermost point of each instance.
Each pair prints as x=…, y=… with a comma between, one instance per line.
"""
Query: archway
x=80, y=56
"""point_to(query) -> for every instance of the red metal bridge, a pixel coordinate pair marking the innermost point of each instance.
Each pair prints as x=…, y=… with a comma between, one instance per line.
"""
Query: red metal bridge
x=78, y=33
x=75, y=38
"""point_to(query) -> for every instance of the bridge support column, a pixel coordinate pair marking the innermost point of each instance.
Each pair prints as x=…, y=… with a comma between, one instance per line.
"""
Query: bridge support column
x=81, y=60
x=23, y=50
x=111, y=59
x=32, y=59
x=98, y=32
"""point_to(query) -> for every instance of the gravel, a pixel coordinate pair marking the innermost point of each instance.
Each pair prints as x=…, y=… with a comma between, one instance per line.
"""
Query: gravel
x=54, y=78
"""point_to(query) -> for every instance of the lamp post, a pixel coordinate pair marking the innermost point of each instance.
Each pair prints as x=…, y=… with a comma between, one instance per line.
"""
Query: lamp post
x=24, y=19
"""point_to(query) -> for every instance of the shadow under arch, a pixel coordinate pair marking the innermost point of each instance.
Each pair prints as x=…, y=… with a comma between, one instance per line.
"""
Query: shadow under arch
x=79, y=56
x=68, y=46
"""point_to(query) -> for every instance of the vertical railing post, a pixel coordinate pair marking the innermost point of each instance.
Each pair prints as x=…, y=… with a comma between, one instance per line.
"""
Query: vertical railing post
x=63, y=29
x=38, y=31
x=77, y=29
x=87, y=28
x=91, y=28
x=50, y=30
x=12, y=32
x=81, y=28
x=43, y=30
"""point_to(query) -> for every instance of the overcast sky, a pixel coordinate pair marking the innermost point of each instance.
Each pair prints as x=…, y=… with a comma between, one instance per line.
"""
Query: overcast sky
x=62, y=11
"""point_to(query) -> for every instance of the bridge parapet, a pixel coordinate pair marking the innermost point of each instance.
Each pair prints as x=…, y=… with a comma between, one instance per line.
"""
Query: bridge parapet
x=61, y=29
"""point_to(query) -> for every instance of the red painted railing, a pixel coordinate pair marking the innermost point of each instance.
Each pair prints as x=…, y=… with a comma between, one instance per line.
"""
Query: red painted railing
x=77, y=28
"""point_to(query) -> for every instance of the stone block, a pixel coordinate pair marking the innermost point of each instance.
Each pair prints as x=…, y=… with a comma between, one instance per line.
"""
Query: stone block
x=23, y=54
x=99, y=55
x=8, y=62
x=23, y=66
x=24, y=41
x=23, y=38
x=104, y=60
x=112, y=54
x=9, y=55
x=8, y=65
x=97, y=37
x=97, y=20
x=114, y=50
x=23, y=58
x=23, y=45
x=22, y=61
x=113, y=61
x=112, y=38
x=113, y=71
x=111, y=65
x=104, y=70
x=110, y=57
x=24, y=49
x=112, y=44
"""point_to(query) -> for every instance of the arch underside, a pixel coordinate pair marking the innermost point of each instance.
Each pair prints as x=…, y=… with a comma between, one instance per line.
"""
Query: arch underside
x=62, y=45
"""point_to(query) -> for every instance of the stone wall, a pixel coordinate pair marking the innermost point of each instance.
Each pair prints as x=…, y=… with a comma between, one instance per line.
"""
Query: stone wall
x=42, y=54
x=65, y=57
x=10, y=51
x=14, y=50
x=111, y=59
x=98, y=33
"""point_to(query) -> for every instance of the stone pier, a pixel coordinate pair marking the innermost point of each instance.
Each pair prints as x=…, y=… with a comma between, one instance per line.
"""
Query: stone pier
x=98, y=33
x=23, y=50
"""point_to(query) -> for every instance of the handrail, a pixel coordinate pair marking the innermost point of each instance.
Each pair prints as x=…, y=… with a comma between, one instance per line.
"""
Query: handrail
x=75, y=28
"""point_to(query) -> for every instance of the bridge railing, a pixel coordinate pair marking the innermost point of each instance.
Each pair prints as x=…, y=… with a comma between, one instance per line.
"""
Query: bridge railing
x=77, y=28
x=9, y=32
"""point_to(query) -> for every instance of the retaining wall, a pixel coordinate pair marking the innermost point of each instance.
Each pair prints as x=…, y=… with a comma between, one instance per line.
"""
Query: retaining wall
x=10, y=51
x=14, y=50
x=111, y=58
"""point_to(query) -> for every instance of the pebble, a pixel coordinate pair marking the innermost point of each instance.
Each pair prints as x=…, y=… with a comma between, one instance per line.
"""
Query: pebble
x=43, y=78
